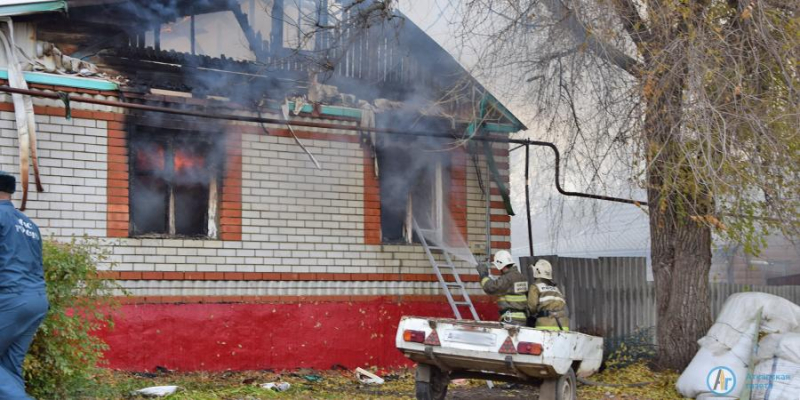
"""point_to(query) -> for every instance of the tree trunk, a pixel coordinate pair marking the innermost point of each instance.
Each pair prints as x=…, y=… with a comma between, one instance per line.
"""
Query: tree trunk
x=680, y=240
x=681, y=254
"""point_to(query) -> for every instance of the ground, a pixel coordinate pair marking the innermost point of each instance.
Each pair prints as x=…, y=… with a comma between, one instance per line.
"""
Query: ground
x=307, y=384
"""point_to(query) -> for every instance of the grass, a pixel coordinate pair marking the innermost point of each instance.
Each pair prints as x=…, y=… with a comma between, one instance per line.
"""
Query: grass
x=334, y=385
x=246, y=385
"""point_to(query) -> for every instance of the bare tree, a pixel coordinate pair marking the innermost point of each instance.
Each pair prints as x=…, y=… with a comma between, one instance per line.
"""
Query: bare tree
x=697, y=99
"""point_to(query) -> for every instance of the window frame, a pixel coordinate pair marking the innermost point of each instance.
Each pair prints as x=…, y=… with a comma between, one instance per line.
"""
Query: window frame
x=440, y=199
x=170, y=139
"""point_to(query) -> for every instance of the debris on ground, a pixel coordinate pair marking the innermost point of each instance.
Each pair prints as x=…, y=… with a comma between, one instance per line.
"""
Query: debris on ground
x=278, y=387
x=368, y=378
x=340, y=385
x=157, y=391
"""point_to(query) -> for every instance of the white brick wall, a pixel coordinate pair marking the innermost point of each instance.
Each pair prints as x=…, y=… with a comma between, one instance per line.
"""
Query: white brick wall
x=296, y=219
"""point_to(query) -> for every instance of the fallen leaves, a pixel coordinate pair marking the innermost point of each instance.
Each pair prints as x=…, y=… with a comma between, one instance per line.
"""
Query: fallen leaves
x=341, y=384
x=663, y=387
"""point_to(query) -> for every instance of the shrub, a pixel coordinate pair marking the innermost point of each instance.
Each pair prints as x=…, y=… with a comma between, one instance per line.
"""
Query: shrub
x=65, y=354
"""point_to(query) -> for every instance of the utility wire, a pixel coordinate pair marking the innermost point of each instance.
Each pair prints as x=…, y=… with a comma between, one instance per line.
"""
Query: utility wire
x=243, y=118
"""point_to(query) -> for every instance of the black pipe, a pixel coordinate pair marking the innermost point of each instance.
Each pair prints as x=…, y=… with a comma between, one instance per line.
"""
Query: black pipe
x=231, y=117
x=528, y=197
x=191, y=34
x=578, y=194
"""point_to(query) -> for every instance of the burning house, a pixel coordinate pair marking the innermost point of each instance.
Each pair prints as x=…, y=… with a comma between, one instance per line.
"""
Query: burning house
x=255, y=169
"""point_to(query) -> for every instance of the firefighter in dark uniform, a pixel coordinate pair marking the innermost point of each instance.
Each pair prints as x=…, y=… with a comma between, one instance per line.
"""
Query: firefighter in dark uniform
x=23, y=301
x=545, y=300
x=510, y=287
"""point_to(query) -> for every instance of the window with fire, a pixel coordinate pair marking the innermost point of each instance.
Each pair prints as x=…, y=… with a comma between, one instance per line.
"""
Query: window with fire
x=414, y=180
x=175, y=186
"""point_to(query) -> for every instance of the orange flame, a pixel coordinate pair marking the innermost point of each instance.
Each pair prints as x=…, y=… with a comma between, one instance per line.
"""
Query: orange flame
x=186, y=160
x=150, y=158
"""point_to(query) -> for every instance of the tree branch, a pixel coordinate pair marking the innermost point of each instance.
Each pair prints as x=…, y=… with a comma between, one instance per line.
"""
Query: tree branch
x=600, y=48
x=632, y=21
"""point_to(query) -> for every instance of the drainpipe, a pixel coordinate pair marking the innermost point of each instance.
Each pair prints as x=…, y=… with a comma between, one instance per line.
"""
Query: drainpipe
x=528, y=198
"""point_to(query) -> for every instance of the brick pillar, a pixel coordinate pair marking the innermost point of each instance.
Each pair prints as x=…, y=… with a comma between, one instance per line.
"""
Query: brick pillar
x=501, y=223
x=372, y=200
x=118, y=212
x=457, y=195
x=231, y=207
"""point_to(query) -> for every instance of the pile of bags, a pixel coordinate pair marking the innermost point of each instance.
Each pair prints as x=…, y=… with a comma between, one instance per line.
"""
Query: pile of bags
x=739, y=339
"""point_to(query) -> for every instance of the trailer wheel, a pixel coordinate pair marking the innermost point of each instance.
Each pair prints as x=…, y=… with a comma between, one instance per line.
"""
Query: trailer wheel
x=431, y=383
x=563, y=388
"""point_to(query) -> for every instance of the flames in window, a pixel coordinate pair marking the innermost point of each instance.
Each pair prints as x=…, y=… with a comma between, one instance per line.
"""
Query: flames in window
x=174, y=186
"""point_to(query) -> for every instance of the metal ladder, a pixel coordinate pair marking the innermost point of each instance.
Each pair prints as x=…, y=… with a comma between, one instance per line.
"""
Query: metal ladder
x=450, y=289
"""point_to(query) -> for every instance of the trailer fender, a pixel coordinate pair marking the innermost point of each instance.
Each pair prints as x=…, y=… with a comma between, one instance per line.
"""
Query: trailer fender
x=423, y=373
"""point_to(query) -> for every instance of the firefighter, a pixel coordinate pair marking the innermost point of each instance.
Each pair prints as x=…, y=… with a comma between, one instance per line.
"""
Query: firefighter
x=545, y=301
x=510, y=288
x=23, y=301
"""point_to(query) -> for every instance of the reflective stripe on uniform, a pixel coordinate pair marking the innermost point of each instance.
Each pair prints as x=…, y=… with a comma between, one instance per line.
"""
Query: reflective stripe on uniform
x=515, y=315
x=484, y=280
x=550, y=298
x=514, y=298
x=551, y=328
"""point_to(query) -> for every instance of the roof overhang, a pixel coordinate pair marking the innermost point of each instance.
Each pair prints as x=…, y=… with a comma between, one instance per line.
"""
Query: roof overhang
x=10, y=8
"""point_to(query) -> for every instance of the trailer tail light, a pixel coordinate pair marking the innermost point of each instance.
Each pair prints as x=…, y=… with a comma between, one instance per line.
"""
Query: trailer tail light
x=529, y=348
x=414, y=336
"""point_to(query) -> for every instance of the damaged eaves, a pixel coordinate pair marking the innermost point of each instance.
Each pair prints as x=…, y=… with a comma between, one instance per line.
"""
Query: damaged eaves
x=11, y=8
x=43, y=78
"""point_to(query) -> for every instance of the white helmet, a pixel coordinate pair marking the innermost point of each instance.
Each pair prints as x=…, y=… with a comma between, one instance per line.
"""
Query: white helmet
x=543, y=269
x=502, y=259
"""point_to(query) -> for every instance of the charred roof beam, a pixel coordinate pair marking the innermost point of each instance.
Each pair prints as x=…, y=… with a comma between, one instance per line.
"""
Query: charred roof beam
x=253, y=39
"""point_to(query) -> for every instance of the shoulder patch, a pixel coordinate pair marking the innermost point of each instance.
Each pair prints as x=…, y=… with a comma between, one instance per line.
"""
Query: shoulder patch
x=547, y=288
x=520, y=287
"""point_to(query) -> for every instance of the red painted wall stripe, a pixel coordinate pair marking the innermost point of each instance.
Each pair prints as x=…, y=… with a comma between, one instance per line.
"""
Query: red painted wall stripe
x=217, y=337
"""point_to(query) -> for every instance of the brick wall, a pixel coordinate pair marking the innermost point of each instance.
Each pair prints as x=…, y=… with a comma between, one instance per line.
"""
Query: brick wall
x=283, y=222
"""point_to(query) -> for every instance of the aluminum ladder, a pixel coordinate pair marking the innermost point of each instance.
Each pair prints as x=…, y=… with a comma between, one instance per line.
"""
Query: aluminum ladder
x=451, y=289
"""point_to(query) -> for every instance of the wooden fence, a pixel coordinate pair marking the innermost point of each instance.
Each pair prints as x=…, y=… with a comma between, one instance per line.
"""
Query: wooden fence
x=610, y=296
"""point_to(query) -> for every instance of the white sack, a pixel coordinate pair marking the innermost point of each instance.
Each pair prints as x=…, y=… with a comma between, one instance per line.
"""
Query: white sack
x=693, y=380
x=776, y=379
x=785, y=346
x=739, y=312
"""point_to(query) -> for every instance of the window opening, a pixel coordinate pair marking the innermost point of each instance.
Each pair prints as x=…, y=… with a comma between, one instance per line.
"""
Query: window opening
x=174, y=186
x=412, y=186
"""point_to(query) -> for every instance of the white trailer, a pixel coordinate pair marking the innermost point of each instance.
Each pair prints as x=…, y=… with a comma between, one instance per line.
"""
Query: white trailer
x=446, y=349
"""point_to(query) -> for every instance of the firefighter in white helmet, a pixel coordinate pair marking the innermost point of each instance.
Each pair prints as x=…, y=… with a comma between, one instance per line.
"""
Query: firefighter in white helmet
x=545, y=301
x=510, y=287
